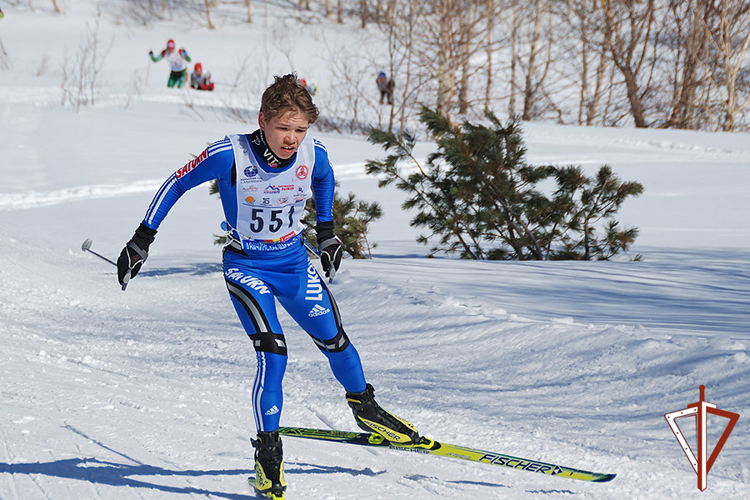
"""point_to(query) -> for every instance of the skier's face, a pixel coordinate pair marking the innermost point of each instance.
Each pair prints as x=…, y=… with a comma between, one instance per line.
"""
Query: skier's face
x=284, y=133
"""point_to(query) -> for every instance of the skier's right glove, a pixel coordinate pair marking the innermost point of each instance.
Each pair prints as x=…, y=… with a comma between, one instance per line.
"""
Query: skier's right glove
x=134, y=254
x=151, y=53
x=330, y=248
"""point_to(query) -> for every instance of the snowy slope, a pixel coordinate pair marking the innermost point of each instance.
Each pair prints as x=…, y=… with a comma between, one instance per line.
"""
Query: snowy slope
x=145, y=394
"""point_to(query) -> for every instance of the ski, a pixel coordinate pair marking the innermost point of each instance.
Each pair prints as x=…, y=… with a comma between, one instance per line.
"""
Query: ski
x=432, y=447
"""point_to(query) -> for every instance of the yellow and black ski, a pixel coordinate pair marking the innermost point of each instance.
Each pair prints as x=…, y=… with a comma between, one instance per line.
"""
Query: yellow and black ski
x=432, y=447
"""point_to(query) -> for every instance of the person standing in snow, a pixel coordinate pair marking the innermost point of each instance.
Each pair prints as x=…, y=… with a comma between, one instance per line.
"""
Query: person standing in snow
x=385, y=86
x=177, y=59
x=265, y=179
x=199, y=79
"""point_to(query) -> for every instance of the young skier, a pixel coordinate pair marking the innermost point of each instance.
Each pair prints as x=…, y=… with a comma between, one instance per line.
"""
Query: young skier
x=199, y=79
x=177, y=59
x=264, y=179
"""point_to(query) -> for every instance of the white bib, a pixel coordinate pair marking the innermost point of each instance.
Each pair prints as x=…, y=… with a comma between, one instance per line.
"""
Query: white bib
x=270, y=204
x=176, y=61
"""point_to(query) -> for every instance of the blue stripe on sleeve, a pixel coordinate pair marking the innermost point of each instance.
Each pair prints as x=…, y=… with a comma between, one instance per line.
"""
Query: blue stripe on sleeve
x=215, y=162
x=323, y=184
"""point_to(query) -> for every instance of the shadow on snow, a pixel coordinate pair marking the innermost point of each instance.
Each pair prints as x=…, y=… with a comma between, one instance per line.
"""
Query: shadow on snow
x=97, y=471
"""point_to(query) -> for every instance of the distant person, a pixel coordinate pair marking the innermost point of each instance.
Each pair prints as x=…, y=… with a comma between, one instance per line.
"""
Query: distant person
x=385, y=85
x=265, y=179
x=177, y=59
x=199, y=79
x=310, y=86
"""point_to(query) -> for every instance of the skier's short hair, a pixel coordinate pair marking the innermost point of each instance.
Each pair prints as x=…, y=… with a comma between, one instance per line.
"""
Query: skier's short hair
x=286, y=94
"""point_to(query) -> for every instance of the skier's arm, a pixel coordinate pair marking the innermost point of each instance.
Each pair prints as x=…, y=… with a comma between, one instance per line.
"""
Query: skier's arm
x=324, y=186
x=156, y=58
x=185, y=55
x=212, y=163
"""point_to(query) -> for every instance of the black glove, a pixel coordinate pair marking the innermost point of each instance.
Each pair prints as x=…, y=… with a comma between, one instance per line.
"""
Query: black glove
x=134, y=254
x=151, y=53
x=329, y=247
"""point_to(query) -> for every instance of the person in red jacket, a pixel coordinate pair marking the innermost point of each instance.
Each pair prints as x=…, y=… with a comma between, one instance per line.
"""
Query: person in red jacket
x=199, y=79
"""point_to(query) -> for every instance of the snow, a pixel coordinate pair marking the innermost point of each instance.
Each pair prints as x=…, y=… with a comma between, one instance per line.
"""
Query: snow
x=144, y=394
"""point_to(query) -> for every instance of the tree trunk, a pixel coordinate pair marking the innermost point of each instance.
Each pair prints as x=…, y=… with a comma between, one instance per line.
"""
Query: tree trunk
x=490, y=11
x=208, y=14
x=445, y=75
x=529, y=91
x=628, y=46
x=248, y=4
x=363, y=12
x=513, y=58
x=593, y=105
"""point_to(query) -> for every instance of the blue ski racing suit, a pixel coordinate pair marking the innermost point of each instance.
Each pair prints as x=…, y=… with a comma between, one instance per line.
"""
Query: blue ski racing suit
x=265, y=257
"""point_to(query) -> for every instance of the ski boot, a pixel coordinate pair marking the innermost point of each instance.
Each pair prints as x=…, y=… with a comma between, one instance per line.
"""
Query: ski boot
x=269, y=465
x=371, y=417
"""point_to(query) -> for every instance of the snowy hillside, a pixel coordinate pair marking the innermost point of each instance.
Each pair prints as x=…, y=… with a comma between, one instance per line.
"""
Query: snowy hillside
x=144, y=394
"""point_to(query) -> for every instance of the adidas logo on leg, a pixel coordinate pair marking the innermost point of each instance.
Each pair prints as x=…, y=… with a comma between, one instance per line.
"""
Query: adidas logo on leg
x=318, y=310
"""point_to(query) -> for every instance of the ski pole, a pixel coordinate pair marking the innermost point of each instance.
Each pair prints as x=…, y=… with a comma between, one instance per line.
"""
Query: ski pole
x=86, y=247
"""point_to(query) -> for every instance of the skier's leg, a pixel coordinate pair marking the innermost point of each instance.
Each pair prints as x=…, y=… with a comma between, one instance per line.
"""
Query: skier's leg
x=253, y=301
x=315, y=309
x=312, y=306
x=182, y=76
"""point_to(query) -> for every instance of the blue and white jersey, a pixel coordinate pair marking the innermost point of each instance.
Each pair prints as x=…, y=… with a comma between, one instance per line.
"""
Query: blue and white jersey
x=311, y=167
x=270, y=203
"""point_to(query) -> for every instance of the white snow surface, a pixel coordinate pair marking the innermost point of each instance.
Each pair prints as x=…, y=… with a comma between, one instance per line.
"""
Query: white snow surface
x=144, y=394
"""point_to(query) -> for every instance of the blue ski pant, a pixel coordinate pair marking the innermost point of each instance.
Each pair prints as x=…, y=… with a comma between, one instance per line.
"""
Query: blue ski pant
x=254, y=279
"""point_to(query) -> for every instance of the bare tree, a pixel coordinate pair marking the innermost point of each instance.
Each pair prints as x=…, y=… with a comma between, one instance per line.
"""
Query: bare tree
x=514, y=44
x=589, y=49
x=248, y=4
x=489, y=8
x=81, y=73
x=687, y=44
x=729, y=35
x=530, y=54
x=208, y=4
x=631, y=23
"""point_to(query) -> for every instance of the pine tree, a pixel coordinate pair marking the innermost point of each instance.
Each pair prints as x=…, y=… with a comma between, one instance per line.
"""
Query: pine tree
x=478, y=196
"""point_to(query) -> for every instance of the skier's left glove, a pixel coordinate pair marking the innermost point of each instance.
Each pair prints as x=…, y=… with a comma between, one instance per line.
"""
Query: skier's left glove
x=330, y=248
x=134, y=254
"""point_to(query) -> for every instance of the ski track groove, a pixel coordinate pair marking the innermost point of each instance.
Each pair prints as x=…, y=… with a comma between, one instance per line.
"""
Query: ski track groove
x=8, y=457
